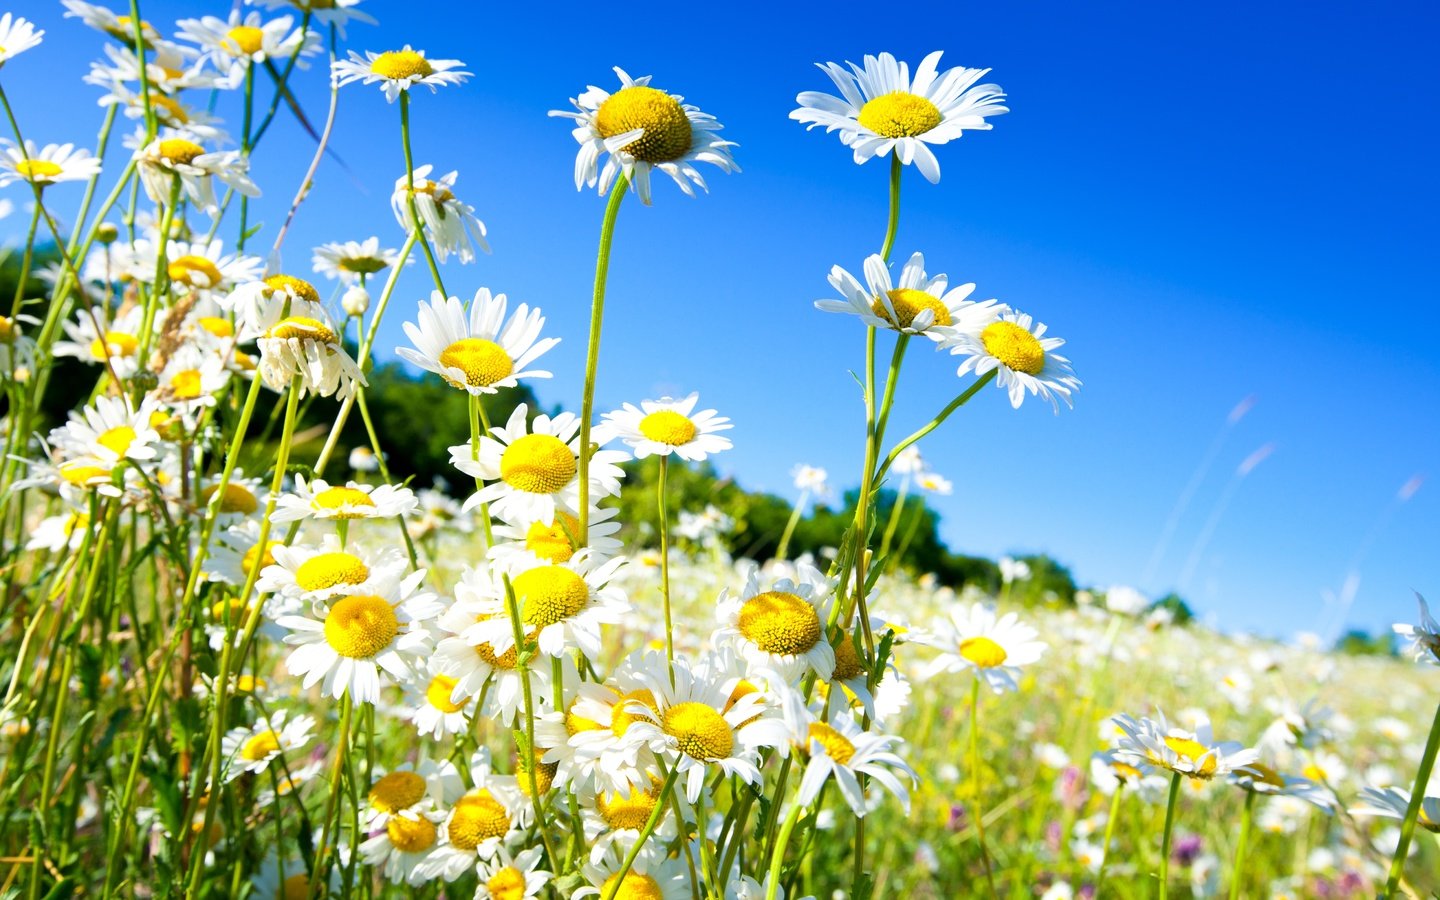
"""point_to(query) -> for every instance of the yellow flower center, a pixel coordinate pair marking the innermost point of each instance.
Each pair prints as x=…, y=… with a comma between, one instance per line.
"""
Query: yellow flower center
x=1014, y=346
x=180, y=151
x=836, y=745
x=550, y=594
x=38, y=169
x=506, y=884
x=185, y=385
x=259, y=746
x=117, y=440
x=552, y=542
x=634, y=886
x=339, y=497
x=411, y=835
x=295, y=287
x=621, y=718
x=575, y=723
x=668, y=427
x=247, y=37
x=1314, y=772
x=544, y=774
x=780, y=622
x=847, y=661
x=1192, y=750
x=326, y=570
x=983, y=652
x=215, y=325
x=303, y=328
x=483, y=362
x=437, y=191
x=7, y=330
x=247, y=684
x=167, y=109
x=1263, y=774
x=699, y=731
x=256, y=557
x=908, y=304
x=630, y=812
x=667, y=129
x=396, y=791
x=1125, y=771
x=78, y=473
x=296, y=887
x=438, y=694
x=507, y=660
x=401, y=64
x=899, y=114
x=360, y=626
x=477, y=817
x=194, y=271
x=123, y=344
x=538, y=464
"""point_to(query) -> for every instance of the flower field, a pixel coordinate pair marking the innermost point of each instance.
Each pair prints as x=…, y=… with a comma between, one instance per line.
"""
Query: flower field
x=244, y=661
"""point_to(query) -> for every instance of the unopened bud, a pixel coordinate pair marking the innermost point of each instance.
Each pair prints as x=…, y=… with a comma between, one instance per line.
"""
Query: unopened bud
x=107, y=233
x=355, y=301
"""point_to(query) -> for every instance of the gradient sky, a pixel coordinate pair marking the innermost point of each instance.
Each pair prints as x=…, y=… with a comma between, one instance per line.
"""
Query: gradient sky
x=1208, y=202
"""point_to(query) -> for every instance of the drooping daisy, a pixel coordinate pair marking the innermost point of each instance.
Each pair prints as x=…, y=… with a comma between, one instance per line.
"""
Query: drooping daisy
x=347, y=641
x=697, y=726
x=840, y=749
x=164, y=160
x=1153, y=744
x=310, y=573
x=1016, y=347
x=17, y=34
x=1394, y=803
x=642, y=128
x=919, y=305
x=107, y=22
x=433, y=709
x=665, y=426
x=1426, y=635
x=652, y=876
x=994, y=647
x=534, y=472
x=351, y=260
x=1261, y=779
x=234, y=44
x=529, y=543
x=324, y=12
x=479, y=352
x=450, y=221
x=318, y=499
x=45, y=166
x=309, y=348
x=398, y=70
x=252, y=748
x=882, y=109
x=507, y=877
x=259, y=305
x=781, y=625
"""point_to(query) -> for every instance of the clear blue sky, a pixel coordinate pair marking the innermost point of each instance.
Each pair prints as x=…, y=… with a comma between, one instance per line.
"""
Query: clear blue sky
x=1207, y=201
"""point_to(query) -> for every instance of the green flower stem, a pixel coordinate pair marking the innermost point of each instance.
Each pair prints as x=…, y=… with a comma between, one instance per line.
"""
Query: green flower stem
x=975, y=806
x=1169, y=829
x=332, y=801
x=651, y=823
x=1412, y=812
x=777, y=856
x=1237, y=871
x=893, y=225
x=592, y=353
x=24, y=275
x=934, y=423
x=1109, y=834
x=522, y=667
x=896, y=512
x=410, y=192
x=137, y=33
x=161, y=285
x=384, y=473
x=784, y=546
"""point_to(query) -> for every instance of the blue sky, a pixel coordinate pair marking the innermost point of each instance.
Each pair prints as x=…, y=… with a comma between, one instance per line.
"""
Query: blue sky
x=1208, y=202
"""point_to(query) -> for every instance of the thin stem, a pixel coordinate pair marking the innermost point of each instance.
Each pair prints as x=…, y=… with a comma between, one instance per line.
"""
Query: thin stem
x=592, y=353
x=342, y=746
x=1237, y=872
x=656, y=815
x=975, y=782
x=410, y=192
x=1412, y=812
x=893, y=225
x=1109, y=833
x=777, y=856
x=935, y=423
x=784, y=546
x=1169, y=829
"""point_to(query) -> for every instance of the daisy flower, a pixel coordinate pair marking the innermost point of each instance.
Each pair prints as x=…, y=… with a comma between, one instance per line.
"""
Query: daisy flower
x=252, y=749
x=404, y=843
x=919, y=305
x=1151, y=744
x=994, y=647
x=507, y=877
x=618, y=817
x=397, y=70
x=839, y=749
x=323, y=12
x=318, y=499
x=310, y=349
x=696, y=725
x=17, y=352
x=352, y=260
x=642, y=128
x=479, y=352
x=408, y=789
x=321, y=573
x=1016, y=347
x=200, y=266
x=42, y=167
x=1394, y=803
x=432, y=709
x=665, y=426
x=534, y=472
x=588, y=741
x=1426, y=635
x=95, y=337
x=56, y=533
x=473, y=664
x=347, y=641
x=17, y=34
x=289, y=877
x=165, y=159
x=450, y=221
x=191, y=378
x=260, y=305
x=109, y=432
x=781, y=625
x=476, y=825
x=524, y=544
x=103, y=20
x=652, y=876
x=811, y=479
x=882, y=109
x=1261, y=779
x=234, y=44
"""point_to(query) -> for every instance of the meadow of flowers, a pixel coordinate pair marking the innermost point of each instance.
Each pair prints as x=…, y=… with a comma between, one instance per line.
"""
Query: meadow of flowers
x=312, y=679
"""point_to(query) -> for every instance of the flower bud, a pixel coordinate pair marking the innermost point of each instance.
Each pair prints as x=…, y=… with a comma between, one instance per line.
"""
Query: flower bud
x=355, y=301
